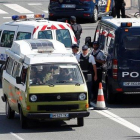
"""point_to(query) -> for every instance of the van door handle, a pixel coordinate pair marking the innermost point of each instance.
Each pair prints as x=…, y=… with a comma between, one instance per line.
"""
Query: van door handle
x=17, y=88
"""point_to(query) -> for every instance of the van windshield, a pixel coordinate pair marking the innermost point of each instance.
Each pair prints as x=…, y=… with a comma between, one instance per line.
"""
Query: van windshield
x=55, y=74
x=130, y=45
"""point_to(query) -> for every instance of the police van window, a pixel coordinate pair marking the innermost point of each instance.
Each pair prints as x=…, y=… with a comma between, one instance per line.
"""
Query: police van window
x=47, y=34
x=7, y=38
x=64, y=37
x=9, y=67
x=16, y=69
x=23, y=35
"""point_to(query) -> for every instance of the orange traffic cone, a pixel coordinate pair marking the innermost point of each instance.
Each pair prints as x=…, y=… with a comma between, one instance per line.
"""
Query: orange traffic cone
x=100, y=105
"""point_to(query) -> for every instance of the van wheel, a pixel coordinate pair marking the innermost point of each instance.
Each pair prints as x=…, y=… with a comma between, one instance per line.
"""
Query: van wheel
x=10, y=114
x=80, y=121
x=110, y=97
x=23, y=120
x=95, y=16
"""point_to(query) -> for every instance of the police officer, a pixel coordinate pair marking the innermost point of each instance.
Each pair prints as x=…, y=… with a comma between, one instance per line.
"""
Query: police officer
x=88, y=66
x=77, y=29
x=100, y=59
x=75, y=50
x=120, y=6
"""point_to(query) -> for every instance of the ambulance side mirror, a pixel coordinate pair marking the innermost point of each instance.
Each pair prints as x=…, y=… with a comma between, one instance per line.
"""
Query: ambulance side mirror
x=89, y=77
x=88, y=41
x=18, y=80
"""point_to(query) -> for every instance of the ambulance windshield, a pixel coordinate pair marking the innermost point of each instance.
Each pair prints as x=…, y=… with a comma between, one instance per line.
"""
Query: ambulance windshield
x=56, y=74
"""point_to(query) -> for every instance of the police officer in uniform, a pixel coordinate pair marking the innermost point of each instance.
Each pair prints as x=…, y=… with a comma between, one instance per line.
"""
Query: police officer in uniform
x=75, y=50
x=88, y=66
x=120, y=6
x=100, y=59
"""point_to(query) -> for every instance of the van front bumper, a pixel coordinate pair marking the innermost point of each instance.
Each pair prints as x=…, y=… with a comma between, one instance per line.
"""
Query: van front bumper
x=47, y=115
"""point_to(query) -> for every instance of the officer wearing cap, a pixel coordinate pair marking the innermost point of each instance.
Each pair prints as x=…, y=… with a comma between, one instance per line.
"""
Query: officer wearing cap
x=75, y=50
x=77, y=29
x=88, y=66
x=100, y=59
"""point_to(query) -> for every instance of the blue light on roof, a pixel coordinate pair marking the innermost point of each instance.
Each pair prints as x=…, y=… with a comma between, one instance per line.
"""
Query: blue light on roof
x=15, y=17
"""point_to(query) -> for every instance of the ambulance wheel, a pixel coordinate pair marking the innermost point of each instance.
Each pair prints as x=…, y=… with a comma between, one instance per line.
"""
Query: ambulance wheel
x=110, y=97
x=80, y=121
x=95, y=15
x=10, y=114
x=23, y=119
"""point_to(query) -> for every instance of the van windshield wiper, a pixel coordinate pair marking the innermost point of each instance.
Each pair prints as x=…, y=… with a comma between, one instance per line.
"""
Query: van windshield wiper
x=50, y=84
x=77, y=84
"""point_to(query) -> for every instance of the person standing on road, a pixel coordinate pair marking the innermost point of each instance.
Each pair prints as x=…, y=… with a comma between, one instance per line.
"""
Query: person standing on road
x=100, y=59
x=77, y=29
x=120, y=7
x=75, y=50
x=88, y=66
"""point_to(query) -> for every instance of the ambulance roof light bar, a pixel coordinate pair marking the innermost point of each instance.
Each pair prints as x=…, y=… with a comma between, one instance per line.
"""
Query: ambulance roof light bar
x=126, y=24
x=25, y=17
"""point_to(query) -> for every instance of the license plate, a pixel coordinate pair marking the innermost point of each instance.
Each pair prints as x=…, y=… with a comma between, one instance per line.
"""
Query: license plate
x=59, y=115
x=131, y=83
x=68, y=6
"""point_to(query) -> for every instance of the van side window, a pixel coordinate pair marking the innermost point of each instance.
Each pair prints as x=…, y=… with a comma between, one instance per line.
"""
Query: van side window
x=97, y=33
x=9, y=67
x=47, y=34
x=64, y=37
x=16, y=69
x=7, y=38
x=23, y=75
x=23, y=35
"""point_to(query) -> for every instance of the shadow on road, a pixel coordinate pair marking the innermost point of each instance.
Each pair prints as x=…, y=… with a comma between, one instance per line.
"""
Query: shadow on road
x=13, y=125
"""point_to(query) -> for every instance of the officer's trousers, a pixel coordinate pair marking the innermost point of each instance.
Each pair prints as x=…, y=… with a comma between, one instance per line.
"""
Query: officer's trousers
x=96, y=83
x=120, y=9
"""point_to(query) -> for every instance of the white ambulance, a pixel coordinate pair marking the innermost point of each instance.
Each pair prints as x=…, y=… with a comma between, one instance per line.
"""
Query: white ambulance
x=43, y=81
x=34, y=27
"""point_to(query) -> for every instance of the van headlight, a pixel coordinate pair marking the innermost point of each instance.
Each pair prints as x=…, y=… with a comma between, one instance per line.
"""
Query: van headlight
x=33, y=98
x=82, y=96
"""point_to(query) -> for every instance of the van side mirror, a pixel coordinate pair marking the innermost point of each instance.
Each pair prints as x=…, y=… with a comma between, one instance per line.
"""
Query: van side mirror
x=88, y=40
x=18, y=80
x=89, y=77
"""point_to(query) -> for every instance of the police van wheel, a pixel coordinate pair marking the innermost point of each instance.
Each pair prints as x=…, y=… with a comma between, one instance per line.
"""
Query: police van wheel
x=80, y=121
x=110, y=97
x=95, y=16
x=10, y=114
x=23, y=120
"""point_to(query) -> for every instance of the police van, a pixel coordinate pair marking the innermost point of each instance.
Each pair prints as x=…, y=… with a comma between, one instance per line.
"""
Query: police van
x=34, y=26
x=120, y=41
x=42, y=80
x=87, y=9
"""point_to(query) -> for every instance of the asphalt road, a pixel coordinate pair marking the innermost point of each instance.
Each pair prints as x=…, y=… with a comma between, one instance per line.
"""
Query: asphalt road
x=120, y=122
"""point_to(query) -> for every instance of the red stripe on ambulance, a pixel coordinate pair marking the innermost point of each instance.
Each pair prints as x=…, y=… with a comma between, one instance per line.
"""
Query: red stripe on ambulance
x=44, y=27
x=61, y=26
x=35, y=29
x=53, y=27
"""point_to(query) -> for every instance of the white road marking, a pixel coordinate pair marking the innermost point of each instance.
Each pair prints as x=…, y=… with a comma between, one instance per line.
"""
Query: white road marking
x=45, y=12
x=34, y=3
x=6, y=17
x=119, y=120
x=3, y=12
x=19, y=138
x=18, y=8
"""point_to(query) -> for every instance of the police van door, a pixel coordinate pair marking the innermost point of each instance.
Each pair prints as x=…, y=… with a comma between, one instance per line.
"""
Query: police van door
x=104, y=6
x=7, y=37
x=129, y=59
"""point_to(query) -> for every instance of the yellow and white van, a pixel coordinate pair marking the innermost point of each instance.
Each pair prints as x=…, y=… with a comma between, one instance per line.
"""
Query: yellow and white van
x=34, y=27
x=42, y=80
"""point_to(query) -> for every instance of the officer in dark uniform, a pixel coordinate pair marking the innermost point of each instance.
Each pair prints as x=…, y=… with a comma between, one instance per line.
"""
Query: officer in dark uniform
x=88, y=66
x=100, y=59
x=75, y=50
x=120, y=7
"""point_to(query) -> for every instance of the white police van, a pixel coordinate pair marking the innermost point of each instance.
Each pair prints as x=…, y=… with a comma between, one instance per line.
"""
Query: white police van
x=120, y=41
x=34, y=26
